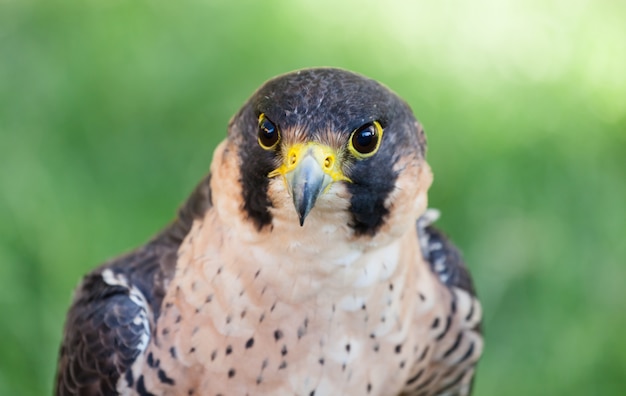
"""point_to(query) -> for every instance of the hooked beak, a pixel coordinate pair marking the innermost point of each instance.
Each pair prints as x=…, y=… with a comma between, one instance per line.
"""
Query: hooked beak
x=306, y=182
x=309, y=170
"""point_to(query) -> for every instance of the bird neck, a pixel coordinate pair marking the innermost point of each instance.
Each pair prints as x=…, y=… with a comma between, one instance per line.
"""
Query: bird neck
x=269, y=275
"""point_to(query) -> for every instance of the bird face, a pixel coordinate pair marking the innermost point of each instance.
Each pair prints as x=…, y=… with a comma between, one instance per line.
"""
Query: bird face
x=329, y=141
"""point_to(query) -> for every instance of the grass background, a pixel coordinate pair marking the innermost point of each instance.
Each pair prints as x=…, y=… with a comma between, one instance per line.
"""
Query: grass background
x=110, y=110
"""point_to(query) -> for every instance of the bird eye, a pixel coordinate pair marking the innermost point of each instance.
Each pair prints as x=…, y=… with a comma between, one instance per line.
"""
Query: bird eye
x=365, y=141
x=268, y=133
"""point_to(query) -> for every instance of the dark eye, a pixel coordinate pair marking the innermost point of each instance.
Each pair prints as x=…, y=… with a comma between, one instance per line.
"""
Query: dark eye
x=365, y=141
x=268, y=133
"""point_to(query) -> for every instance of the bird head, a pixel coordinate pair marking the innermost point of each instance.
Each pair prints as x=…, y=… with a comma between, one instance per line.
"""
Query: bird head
x=329, y=142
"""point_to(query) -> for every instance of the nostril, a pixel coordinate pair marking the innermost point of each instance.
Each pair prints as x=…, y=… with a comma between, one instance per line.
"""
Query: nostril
x=292, y=159
x=328, y=162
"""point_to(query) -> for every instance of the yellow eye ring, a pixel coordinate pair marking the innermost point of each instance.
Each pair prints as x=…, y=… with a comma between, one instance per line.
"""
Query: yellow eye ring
x=268, y=135
x=365, y=140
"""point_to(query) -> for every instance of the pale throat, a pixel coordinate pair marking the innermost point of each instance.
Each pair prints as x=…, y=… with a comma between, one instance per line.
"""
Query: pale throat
x=282, y=279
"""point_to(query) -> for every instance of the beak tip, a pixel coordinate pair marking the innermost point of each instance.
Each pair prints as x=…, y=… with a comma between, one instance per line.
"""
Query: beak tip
x=302, y=214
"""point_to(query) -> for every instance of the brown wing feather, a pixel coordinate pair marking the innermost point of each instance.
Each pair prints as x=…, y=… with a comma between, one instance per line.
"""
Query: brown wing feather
x=444, y=258
x=447, y=264
x=114, y=306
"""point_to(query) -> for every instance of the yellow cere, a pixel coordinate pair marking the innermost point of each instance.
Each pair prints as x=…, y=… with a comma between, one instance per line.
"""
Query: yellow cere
x=325, y=156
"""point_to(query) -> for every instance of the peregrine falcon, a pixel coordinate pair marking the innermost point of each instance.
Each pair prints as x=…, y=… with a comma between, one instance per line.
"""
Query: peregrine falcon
x=305, y=263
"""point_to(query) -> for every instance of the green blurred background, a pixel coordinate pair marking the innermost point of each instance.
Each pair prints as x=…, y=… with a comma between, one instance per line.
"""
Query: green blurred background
x=110, y=110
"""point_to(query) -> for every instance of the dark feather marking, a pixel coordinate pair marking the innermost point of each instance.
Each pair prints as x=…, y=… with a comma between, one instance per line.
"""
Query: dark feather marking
x=101, y=339
x=452, y=384
x=467, y=354
x=256, y=163
x=470, y=314
x=141, y=388
x=129, y=378
x=426, y=382
x=150, y=360
x=414, y=378
x=424, y=353
x=445, y=329
x=450, y=371
x=454, y=346
x=440, y=248
x=164, y=378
